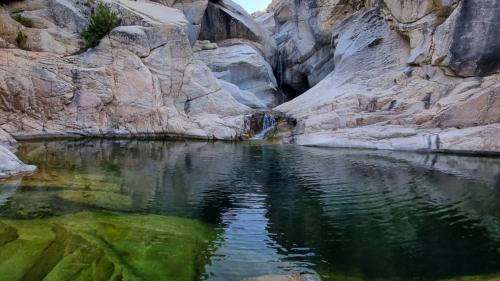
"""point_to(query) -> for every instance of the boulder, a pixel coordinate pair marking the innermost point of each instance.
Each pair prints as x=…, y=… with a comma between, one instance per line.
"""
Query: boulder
x=225, y=19
x=10, y=165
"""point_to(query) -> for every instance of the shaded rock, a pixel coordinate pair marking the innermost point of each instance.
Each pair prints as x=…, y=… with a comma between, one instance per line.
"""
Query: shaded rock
x=227, y=20
x=469, y=41
x=304, y=38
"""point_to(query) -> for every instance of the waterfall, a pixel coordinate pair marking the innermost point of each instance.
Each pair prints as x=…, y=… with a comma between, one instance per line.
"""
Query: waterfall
x=268, y=125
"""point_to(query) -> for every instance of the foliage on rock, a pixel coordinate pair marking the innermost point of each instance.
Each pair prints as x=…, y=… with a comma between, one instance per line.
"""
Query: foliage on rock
x=101, y=22
x=27, y=22
x=21, y=40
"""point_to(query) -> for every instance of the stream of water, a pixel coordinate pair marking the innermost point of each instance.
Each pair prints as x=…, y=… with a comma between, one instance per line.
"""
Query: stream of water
x=152, y=210
x=268, y=125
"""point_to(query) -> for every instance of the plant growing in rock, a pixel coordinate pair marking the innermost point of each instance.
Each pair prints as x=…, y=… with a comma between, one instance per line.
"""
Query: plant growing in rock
x=23, y=20
x=101, y=22
x=21, y=40
x=442, y=11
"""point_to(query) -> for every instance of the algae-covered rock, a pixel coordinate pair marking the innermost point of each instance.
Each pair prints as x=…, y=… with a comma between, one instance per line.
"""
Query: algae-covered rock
x=95, y=246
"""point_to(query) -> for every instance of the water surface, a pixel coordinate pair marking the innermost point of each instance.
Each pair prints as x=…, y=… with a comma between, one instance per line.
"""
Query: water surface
x=151, y=210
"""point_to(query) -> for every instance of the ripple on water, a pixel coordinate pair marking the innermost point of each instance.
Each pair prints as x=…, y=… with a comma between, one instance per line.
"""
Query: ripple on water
x=280, y=210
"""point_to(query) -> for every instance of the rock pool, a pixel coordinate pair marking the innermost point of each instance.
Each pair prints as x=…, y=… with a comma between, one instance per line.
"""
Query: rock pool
x=153, y=210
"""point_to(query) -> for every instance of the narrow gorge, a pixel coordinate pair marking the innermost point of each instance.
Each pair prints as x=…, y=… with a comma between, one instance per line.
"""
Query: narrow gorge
x=404, y=75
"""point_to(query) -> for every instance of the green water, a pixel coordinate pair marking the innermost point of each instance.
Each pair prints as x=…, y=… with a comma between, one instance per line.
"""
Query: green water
x=150, y=210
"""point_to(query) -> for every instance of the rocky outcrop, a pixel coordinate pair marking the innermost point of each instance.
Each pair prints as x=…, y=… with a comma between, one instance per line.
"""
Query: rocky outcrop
x=142, y=79
x=403, y=78
x=412, y=74
x=469, y=41
x=9, y=164
x=304, y=39
x=225, y=19
x=239, y=63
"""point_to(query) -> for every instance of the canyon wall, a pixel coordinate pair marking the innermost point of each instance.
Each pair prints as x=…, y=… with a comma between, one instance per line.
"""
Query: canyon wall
x=149, y=77
x=387, y=74
x=408, y=75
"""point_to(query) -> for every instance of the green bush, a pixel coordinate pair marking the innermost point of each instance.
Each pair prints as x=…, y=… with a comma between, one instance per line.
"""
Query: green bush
x=101, y=22
x=23, y=20
x=21, y=40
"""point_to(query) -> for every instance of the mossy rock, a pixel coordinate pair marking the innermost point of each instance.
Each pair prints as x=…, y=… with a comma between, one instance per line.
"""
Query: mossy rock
x=94, y=246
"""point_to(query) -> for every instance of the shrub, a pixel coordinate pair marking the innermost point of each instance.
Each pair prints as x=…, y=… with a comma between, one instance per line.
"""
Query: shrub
x=23, y=20
x=21, y=40
x=101, y=22
x=442, y=11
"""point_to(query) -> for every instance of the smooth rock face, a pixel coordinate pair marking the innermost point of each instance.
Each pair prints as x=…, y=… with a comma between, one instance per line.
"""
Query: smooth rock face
x=10, y=165
x=411, y=74
x=475, y=45
x=398, y=79
x=245, y=97
x=268, y=21
x=304, y=35
x=141, y=80
x=242, y=65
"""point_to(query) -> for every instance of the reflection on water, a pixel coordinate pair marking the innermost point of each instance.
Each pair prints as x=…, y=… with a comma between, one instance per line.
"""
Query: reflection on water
x=253, y=209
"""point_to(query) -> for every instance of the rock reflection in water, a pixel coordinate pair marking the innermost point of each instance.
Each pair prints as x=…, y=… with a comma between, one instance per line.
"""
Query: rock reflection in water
x=278, y=210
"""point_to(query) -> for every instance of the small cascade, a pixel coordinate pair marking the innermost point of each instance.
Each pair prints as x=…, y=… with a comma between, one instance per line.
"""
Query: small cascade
x=268, y=125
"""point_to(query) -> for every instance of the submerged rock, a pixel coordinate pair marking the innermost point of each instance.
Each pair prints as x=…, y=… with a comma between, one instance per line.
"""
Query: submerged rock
x=94, y=246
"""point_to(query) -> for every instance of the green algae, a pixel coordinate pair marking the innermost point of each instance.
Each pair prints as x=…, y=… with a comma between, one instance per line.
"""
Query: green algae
x=475, y=278
x=97, y=246
x=73, y=180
